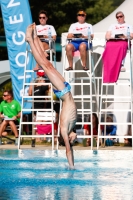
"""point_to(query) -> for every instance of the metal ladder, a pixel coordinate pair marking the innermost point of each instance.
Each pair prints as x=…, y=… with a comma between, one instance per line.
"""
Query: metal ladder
x=83, y=100
x=30, y=99
x=117, y=105
x=51, y=50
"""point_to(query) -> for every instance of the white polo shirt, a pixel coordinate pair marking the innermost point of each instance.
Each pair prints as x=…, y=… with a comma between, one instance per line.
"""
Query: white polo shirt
x=120, y=29
x=43, y=29
x=80, y=28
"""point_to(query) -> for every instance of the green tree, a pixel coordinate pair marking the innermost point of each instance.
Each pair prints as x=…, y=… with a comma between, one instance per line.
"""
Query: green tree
x=118, y=2
x=99, y=10
x=62, y=13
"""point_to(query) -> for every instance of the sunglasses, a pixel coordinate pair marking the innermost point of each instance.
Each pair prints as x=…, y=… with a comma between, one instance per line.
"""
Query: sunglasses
x=82, y=15
x=119, y=16
x=4, y=95
x=42, y=17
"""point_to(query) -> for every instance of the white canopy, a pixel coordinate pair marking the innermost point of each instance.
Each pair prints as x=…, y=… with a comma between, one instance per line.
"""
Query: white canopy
x=99, y=34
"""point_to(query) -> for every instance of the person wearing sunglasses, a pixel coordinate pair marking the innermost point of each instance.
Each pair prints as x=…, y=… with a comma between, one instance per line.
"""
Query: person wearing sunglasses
x=10, y=112
x=44, y=31
x=119, y=29
x=79, y=29
x=116, y=48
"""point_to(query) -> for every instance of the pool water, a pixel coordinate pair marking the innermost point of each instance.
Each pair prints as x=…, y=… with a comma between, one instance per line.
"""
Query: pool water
x=44, y=175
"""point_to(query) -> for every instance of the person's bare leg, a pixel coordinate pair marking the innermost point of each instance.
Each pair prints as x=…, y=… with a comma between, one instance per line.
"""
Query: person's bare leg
x=14, y=128
x=44, y=46
x=40, y=47
x=32, y=29
x=4, y=133
x=3, y=126
x=72, y=154
x=56, y=79
x=69, y=152
x=69, y=149
x=38, y=139
x=47, y=62
x=83, y=53
x=64, y=125
x=69, y=50
x=72, y=137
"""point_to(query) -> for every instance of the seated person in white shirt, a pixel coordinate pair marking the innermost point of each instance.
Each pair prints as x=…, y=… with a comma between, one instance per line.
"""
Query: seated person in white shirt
x=82, y=28
x=44, y=29
x=43, y=32
x=119, y=30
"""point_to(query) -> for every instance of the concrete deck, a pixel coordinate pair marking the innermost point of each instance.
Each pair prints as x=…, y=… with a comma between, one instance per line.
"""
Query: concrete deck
x=48, y=147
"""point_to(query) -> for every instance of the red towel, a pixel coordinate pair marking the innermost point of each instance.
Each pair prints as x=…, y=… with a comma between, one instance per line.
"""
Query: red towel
x=113, y=55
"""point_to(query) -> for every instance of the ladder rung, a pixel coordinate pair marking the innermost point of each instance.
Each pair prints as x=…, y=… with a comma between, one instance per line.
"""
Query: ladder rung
x=83, y=109
x=83, y=123
x=80, y=78
x=37, y=84
x=115, y=136
x=29, y=97
x=125, y=78
x=31, y=109
x=37, y=122
x=52, y=51
x=42, y=136
x=35, y=136
x=83, y=136
x=85, y=101
x=29, y=71
x=78, y=136
x=82, y=96
x=53, y=101
x=115, y=123
x=116, y=101
x=115, y=110
x=115, y=97
x=80, y=84
x=77, y=71
x=115, y=84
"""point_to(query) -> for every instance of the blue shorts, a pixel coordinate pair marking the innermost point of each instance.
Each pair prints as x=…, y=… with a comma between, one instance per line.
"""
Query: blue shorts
x=76, y=44
x=67, y=89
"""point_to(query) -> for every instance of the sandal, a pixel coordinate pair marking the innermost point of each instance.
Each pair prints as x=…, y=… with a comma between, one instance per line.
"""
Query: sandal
x=69, y=68
x=85, y=69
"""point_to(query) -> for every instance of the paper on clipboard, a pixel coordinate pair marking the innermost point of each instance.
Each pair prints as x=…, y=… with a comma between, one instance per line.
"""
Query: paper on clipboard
x=7, y=118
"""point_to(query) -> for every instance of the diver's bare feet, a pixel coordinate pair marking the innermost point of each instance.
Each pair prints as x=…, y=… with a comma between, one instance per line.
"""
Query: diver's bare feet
x=71, y=167
x=34, y=31
x=28, y=35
